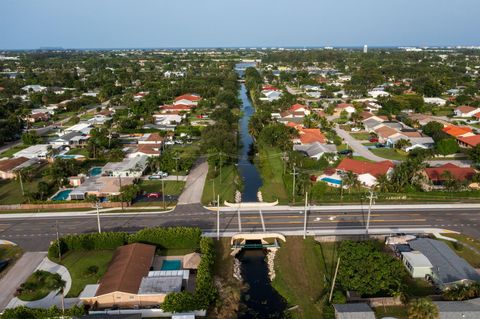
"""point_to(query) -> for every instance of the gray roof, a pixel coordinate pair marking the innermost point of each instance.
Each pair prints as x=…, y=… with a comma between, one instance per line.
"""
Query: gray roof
x=447, y=266
x=371, y=122
x=353, y=311
x=459, y=309
x=160, y=285
x=315, y=148
x=393, y=124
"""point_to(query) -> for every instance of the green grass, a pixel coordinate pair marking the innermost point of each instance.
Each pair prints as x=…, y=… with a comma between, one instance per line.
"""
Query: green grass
x=419, y=288
x=226, y=187
x=13, y=150
x=78, y=151
x=399, y=312
x=155, y=186
x=300, y=267
x=271, y=168
x=361, y=158
x=77, y=263
x=390, y=153
x=361, y=136
x=10, y=191
x=38, y=285
x=462, y=249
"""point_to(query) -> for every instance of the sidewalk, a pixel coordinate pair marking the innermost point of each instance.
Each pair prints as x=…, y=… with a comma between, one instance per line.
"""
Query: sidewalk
x=193, y=190
x=17, y=275
x=53, y=298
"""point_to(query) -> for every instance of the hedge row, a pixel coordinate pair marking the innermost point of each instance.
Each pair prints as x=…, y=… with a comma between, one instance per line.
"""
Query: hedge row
x=163, y=238
x=205, y=291
x=169, y=237
x=23, y=312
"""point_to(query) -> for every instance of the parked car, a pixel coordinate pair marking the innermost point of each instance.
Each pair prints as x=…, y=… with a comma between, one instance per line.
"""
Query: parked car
x=373, y=139
x=380, y=145
x=356, y=129
x=3, y=264
x=154, y=177
x=154, y=195
x=345, y=152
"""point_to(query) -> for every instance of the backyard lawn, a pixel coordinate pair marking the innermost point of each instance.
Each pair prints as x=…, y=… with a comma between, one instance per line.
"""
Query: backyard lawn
x=462, y=248
x=302, y=267
x=10, y=191
x=271, y=169
x=225, y=188
x=398, y=312
x=79, y=264
x=13, y=150
x=390, y=153
x=361, y=136
x=39, y=285
x=155, y=186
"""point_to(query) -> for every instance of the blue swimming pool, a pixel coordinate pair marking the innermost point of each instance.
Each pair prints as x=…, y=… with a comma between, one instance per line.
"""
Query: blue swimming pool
x=95, y=171
x=171, y=265
x=62, y=195
x=332, y=180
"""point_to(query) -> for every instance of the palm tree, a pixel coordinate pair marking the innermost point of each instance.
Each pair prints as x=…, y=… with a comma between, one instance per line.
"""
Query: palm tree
x=383, y=183
x=402, y=143
x=60, y=285
x=422, y=308
x=350, y=181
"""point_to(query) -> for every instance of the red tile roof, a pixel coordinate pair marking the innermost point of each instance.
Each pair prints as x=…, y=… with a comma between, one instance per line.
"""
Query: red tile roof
x=456, y=131
x=296, y=107
x=465, y=108
x=311, y=135
x=343, y=105
x=269, y=88
x=148, y=149
x=363, y=167
x=470, y=140
x=459, y=173
x=190, y=97
x=177, y=107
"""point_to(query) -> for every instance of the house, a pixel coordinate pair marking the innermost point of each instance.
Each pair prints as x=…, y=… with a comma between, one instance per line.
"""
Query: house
x=299, y=108
x=378, y=93
x=99, y=186
x=38, y=117
x=417, y=264
x=468, y=309
x=34, y=88
x=434, y=100
x=129, y=167
x=367, y=172
x=466, y=111
x=458, y=131
x=308, y=136
x=448, y=268
x=468, y=141
x=168, y=118
x=132, y=281
x=151, y=138
x=424, y=142
x=81, y=127
x=187, y=99
x=437, y=175
x=315, y=150
x=353, y=311
x=385, y=133
x=8, y=167
x=40, y=151
x=344, y=107
x=176, y=108
x=139, y=96
x=149, y=150
x=70, y=139
x=372, y=123
x=271, y=96
x=99, y=119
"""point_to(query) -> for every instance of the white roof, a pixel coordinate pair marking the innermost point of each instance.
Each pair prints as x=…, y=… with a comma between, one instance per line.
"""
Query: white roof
x=417, y=259
x=78, y=127
x=89, y=291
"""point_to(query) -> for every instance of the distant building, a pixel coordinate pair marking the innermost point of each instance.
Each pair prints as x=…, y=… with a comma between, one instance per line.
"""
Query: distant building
x=353, y=311
x=365, y=48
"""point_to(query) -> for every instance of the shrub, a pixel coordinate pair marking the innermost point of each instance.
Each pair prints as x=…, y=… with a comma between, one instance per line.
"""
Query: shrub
x=34, y=313
x=169, y=237
x=91, y=270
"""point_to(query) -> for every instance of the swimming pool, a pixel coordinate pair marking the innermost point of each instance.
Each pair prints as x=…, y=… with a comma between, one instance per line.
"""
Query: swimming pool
x=95, y=171
x=62, y=195
x=172, y=265
x=331, y=180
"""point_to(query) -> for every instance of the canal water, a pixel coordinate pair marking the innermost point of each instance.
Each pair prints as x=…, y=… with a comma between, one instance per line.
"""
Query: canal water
x=248, y=171
x=260, y=300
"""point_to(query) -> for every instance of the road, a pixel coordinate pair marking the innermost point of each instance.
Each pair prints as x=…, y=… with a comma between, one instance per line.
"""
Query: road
x=193, y=190
x=357, y=146
x=36, y=233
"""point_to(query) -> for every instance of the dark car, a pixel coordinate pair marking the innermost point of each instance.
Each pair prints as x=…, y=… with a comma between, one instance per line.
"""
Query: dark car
x=345, y=152
x=380, y=145
x=3, y=264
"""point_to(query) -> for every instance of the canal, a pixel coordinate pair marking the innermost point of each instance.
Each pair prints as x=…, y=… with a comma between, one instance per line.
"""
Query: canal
x=251, y=178
x=260, y=300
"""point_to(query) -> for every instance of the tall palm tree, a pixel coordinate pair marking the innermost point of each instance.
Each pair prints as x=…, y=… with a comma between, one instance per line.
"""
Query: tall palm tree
x=60, y=285
x=383, y=183
x=422, y=308
x=350, y=180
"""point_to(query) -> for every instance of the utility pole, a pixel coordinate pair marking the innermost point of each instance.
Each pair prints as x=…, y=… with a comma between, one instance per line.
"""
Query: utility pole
x=293, y=186
x=284, y=158
x=260, y=199
x=21, y=182
x=121, y=194
x=334, y=279
x=58, y=242
x=221, y=163
x=218, y=217
x=305, y=217
x=97, y=205
x=371, y=197
x=163, y=193
x=238, y=200
x=176, y=158
x=213, y=184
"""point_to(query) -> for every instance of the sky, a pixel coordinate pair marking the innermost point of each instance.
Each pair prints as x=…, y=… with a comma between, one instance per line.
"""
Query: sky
x=31, y=24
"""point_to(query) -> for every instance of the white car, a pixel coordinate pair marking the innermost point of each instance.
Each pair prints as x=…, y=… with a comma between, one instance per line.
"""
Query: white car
x=355, y=129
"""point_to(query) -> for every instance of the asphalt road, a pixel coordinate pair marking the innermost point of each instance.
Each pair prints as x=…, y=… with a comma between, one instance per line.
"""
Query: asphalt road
x=36, y=233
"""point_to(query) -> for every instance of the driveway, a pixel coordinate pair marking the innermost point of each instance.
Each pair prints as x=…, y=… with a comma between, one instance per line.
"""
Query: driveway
x=357, y=146
x=192, y=193
x=17, y=275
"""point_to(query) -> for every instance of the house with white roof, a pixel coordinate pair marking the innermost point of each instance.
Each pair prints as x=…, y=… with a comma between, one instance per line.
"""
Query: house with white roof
x=129, y=167
x=466, y=111
x=82, y=127
x=435, y=100
x=34, y=88
x=40, y=151
x=271, y=96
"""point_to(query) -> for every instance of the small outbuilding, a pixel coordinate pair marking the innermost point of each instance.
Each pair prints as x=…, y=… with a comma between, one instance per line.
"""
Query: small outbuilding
x=417, y=264
x=353, y=311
